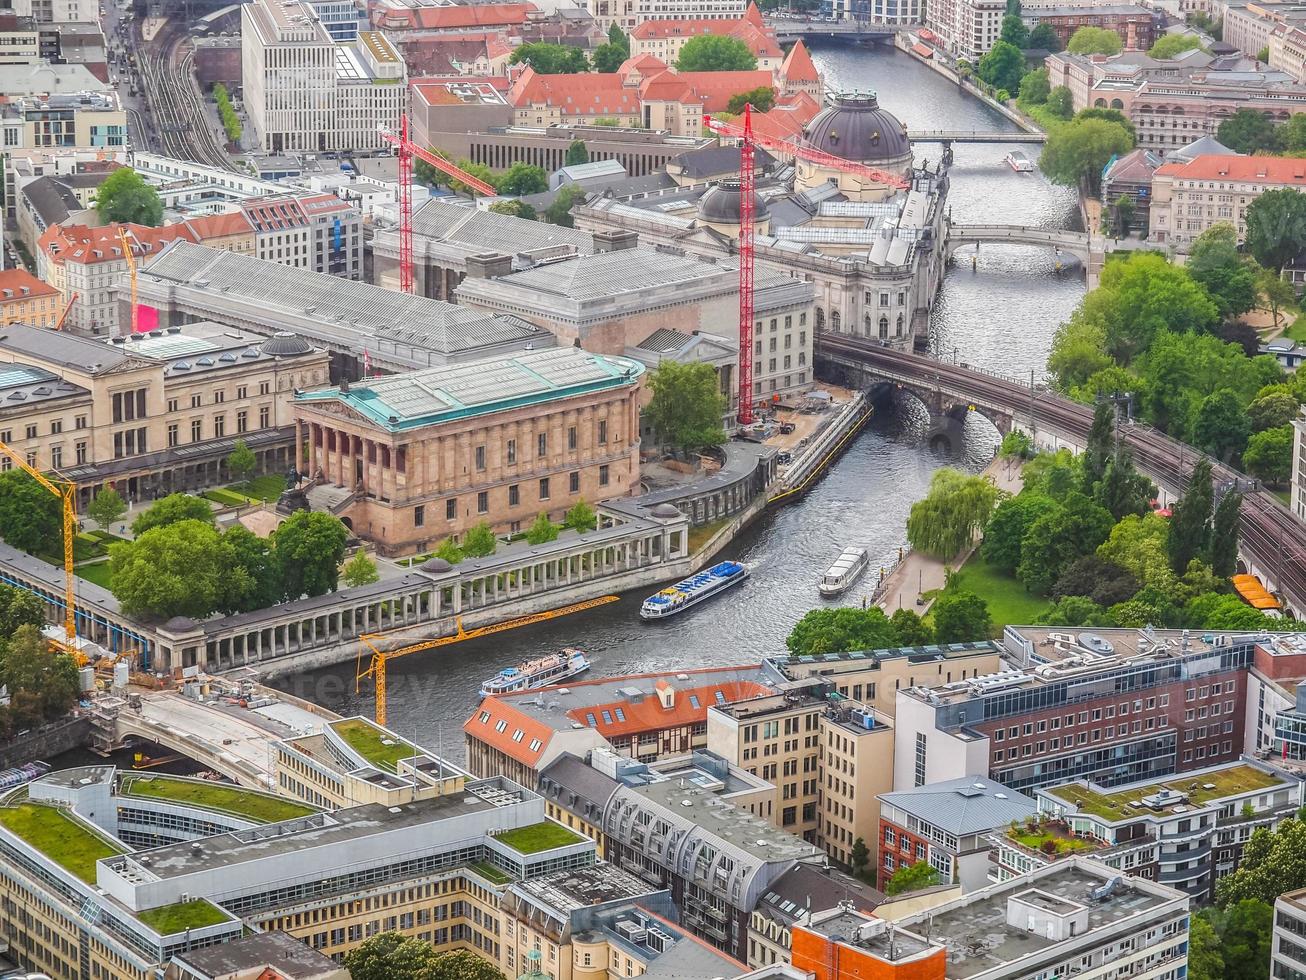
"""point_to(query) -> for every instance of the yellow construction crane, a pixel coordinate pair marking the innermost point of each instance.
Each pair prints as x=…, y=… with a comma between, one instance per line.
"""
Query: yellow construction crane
x=66, y=491
x=131, y=271
x=376, y=664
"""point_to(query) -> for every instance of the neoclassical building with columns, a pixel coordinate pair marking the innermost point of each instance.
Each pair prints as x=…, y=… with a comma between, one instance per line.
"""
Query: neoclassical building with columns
x=429, y=454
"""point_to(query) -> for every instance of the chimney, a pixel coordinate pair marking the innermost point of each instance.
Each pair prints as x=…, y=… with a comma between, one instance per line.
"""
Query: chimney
x=615, y=240
x=488, y=265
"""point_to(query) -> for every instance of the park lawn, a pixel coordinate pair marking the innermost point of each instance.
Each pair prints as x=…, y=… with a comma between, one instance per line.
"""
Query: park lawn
x=65, y=841
x=267, y=488
x=227, y=498
x=366, y=740
x=168, y=920
x=538, y=837
x=258, y=807
x=97, y=572
x=1009, y=603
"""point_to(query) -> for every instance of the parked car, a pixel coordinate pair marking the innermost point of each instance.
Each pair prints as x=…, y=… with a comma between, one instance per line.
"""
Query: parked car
x=786, y=428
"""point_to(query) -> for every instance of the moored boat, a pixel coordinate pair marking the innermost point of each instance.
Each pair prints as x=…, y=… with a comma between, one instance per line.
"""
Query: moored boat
x=540, y=672
x=846, y=569
x=693, y=590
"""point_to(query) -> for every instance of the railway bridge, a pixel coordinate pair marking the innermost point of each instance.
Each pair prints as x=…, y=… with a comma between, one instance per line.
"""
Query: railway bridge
x=1272, y=542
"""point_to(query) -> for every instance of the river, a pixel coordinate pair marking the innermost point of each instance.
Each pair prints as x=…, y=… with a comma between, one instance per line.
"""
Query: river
x=999, y=315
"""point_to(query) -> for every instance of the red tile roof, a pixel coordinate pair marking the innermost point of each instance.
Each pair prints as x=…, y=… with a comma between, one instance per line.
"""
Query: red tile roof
x=500, y=725
x=274, y=213
x=798, y=66
x=575, y=95
x=88, y=246
x=712, y=90
x=19, y=284
x=457, y=17
x=689, y=706
x=754, y=33
x=1267, y=170
x=211, y=226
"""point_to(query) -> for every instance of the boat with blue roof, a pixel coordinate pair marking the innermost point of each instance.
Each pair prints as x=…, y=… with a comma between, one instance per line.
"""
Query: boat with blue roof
x=693, y=590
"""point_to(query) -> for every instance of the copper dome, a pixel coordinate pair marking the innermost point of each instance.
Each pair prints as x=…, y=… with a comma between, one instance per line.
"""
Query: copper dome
x=854, y=127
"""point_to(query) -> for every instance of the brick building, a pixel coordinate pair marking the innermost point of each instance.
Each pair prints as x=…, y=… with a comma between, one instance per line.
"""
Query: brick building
x=1137, y=26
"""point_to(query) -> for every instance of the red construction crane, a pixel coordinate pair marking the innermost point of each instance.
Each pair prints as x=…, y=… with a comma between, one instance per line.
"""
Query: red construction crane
x=407, y=150
x=746, y=184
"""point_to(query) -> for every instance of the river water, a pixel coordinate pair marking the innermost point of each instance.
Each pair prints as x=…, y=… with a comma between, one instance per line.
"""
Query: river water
x=999, y=315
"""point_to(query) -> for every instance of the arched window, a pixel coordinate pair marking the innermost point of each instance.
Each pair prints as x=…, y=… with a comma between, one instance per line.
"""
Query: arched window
x=820, y=318
x=884, y=328
x=867, y=323
x=899, y=333
x=834, y=320
x=1117, y=104
x=1100, y=104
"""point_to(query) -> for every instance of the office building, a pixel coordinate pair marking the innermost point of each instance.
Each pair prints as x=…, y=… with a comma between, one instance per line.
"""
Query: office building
x=1186, y=832
x=1188, y=198
x=26, y=299
x=628, y=14
x=319, y=232
x=794, y=896
x=1288, y=944
x=947, y=824
x=1074, y=917
x=1137, y=26
x=59, y=107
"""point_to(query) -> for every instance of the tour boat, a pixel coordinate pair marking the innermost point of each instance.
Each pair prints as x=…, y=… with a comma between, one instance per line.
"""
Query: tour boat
x=844, y=572
x=693, y=590
x=541, y=672
x=1020, y=163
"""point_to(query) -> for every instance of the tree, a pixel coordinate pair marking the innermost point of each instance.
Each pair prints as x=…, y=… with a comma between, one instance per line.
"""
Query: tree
x=1014, y=31
x=1123, y=211
x=911, y=629
x=1179, y=370
x=1293, y=135
x=1224, y=535
x=559, y=210
x=1007, y=527
x=1190, y=519
x=1034, y=87
x=956, y=508
x=171, y=509
x=607, y=58
x=542, y=531
x=31, y=517
x=1122, y=489
x=1094, y=40
x=1269, y=455
x=18, y=607
x=551, y=59
x=107, y=507
x=841, y=629
x=1221, y=426
x=861, y=857
x=1061, y=103
x=522, y=178
x=1229, y=278
x=1276, y=290
x=1075, y=154
x=391, y=956
x=618, y=37
x=462, y=964
x=1140, y=545
x=715, y=52
x=1273, y=862
x=1016, y=444
x=1205, y=961
x=581, y=518
x=1263, y=56
x=960, y=617
x=1276, y=226
x=1077, y=351
x=1100, y=446
x=449, y=551
x=309, y=548
x=359, y=570
x=911, y=877
x=1141, y=296
x=1273, y=406
x=1075, y=610
x=1247, y=131
x=1002, y=66
x=126, y=197
x=1245, y=940
x=241, y=461
x=686, y=407
x=515, y=209
x=262, y=577
x=479, y=541
x=1109, y=115
x=577, y=151
x=42, y=683
x=762, y=99
x=1102, y=581
x=182, y=568
x=1171, y=45
x=1073, y=529
x=1044, y=38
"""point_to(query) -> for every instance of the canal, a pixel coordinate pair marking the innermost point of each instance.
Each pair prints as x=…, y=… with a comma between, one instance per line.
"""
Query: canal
x=999, y=315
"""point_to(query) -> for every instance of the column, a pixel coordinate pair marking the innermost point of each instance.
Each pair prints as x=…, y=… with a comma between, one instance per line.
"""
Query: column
x=299, y=445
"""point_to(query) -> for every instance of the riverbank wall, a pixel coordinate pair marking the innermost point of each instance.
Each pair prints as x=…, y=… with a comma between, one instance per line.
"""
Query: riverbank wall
x=45, y=743
x=901, y=42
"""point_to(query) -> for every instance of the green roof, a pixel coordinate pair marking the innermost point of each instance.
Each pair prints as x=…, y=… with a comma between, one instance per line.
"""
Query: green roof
x=370, y=742
x=251, y=805
x=1115, y=806
x=169, y=919
x=62, y=838
x=490, y=873
x=539, y=837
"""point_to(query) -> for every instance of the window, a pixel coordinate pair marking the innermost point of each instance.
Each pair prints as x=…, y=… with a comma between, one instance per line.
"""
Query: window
x=451, y=509
x=172, y=434
x=56, y=456
x=242, y=421
x=263, y=414
x=196, y=401
x=483, y=502
x=242, y=391
x=542, y=445
x=79, y=422
x=603, y=432
x=514, y=495
x=419, y=515
x=196, y=430
x=571, y=439
x=573, y=482
x=80, y=452
x=512, y=451
x=219, y=397
x=544, y=487
x=603, y=475
x=219, y=426
x=56, y=427
x=31, y=432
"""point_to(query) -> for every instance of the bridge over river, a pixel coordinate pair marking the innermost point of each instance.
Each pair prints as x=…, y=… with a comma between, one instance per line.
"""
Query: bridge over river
x=789, y=29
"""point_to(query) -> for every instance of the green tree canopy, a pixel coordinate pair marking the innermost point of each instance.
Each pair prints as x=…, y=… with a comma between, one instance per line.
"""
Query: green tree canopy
x=1190, y=519
x=1215, y=263
x=542, y=531
x=838, y=630
x=18, y=607
x=1122, y=489
x=1224, y=535
x=1034, y=87
x=309, y=547
x=1075, y=610
x=31, y=517
x=1273, y=406
x=1014, y=31
x=359, y=570
x=241, y=461
x=479, y=541
x=522, y=178
x=581, y=517
x=1139, y=545
x=715, y=52
x=1276, y=226
x=577, y=151
x=1094, y=40
x=182, y=568
x=762, y=99
x=1246, y=937
x=1179, y=371
x=107, y=508
x=960, y=617
x=1061, y=103
x=607, y=58
x=1221, y=425
x=515, y=209
x=1273, y=862
x=42, y=682
x=171, y=509
x=687, y=405
x=1247, y=131
x=392, y=956
x=1073, y=529
x=1269, y=455
x=1141, y=296
x=1078, y=350
x=1003, y=66
x=262, y=581
x=1102, y=581
x=126, y=197
x=912, y=877
x=1008, y=526
x=911, y=629
x=1109, y=115
x=551, y=59
x=1205, y=961
x=1293, y=134
x=1044, y=38
x=559, y=210
x=956, y=508
x=1170, y=45
x=1075, y=154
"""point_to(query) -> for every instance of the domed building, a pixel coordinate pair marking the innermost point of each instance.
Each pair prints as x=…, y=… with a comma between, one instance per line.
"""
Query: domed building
x=719, y=209
x=854, y=126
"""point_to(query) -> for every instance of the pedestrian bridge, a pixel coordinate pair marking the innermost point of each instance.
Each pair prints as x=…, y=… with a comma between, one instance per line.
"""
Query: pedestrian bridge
x=1077, y=243
x=973, y=136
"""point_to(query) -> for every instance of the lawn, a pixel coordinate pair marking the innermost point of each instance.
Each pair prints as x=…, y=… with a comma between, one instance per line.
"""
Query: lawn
x=701, y=535
x=228, y=498
x=65, y=841
x=1297, y=328
x=1008, y=601
x=97, y=572
x=366, y=740
x=1035, y=840
x=539, y=837
x=1113, y=806
x=167, y=920
x=259, y=807
x=267, y=488
x=490, y=873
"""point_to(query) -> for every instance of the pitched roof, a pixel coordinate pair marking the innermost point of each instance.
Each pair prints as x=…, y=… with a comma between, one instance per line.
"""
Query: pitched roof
x=798, y=65
x=60, y=347
x=51, y=199
x=759, y=38
x=19, y=284
x=969, y=805
x=1267, y=170
x=714, y=89
x=88, y=246
x=689, y=706
x=509, y=730
x=210, y=226
x=1202, y=146
x=575, y=94
x=457, y=17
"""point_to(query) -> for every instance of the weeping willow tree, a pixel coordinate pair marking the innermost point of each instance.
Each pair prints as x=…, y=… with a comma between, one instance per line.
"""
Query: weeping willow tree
x=952, y=513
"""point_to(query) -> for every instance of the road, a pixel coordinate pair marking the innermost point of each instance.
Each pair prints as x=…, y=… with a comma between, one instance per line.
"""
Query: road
x=1269, y=533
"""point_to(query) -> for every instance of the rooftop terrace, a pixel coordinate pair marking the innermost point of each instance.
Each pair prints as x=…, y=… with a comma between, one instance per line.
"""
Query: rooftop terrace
x=232, y=800
x=375, y=745
x=543, y=836
x=168, y=920
x=1199, y=788
x=61, y=837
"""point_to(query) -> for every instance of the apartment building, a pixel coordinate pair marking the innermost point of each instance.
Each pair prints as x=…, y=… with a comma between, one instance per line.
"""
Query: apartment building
x=947, y=824
x=267, y=955
x=155, y=413
x=1137, y=26
x=1076, y=917
x=1249, y=26
x=663, y=39
x=791, y=900
x=1186, y=832
x=628, y=14
x=56, y=11
x=59, y=107
x=1161, y=702
x=966, y=28
x=1288, y=945
x=26, y=299
x=1188, y=198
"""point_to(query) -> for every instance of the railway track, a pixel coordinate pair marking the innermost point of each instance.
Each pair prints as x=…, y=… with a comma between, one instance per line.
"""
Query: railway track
x=1269, y=533
x=180, y=124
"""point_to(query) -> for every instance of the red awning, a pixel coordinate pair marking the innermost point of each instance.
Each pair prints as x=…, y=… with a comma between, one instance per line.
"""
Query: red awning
x=923, y=50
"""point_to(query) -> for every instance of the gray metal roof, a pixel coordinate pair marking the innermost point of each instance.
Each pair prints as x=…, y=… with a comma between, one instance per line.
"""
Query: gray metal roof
x=290, y=958
x=65, y=349
x=572, y=774
x=51, y=199
x=970, y=805
x=486, y=231
x=592, y=277
x=806, y=888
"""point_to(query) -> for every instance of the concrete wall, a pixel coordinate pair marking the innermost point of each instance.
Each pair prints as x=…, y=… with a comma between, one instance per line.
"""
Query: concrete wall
x=58, y=738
